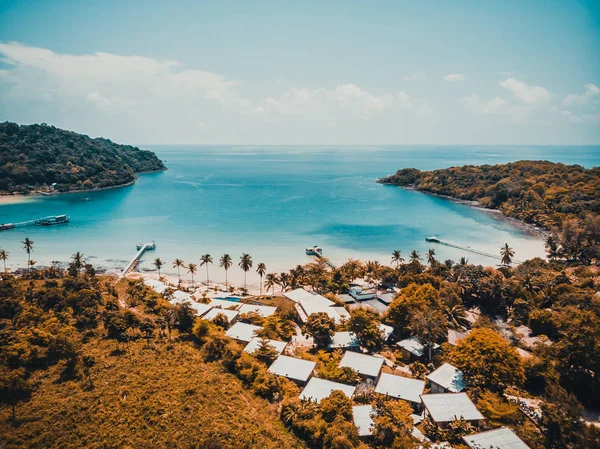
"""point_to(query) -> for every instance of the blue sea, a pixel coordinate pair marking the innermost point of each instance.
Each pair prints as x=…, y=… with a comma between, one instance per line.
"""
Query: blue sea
x=272, y=202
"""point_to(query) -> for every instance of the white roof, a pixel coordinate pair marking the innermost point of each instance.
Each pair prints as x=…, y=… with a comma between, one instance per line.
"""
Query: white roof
x=292, y=368
x=229, y=314
x=178, y=297
x=318, y=389
x=243, y=331
x=454, y=336
x=343, y=339
x=502, y=438
x=157, y=286
x=366, y=365
x=400, y=387
x=386, y=297
x=387, y=330
x=200, y=308
x=312, y=303
x=263, y=311
x=224, y=304
x=444, y=407
x=342, y=312
x=362, y=419
x=254, y=344
x=414, y=346
x=449, y=377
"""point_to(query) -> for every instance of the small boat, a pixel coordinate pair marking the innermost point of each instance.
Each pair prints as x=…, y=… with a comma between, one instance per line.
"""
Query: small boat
x=314, y=251
x=87, y=199
x=432, y=239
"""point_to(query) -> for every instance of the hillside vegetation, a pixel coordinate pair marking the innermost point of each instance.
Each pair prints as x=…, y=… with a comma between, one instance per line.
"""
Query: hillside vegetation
x=33, y=157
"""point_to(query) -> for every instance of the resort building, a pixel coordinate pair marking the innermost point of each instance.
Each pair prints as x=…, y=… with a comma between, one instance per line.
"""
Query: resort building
x=298, y=370
x=369, y=298
x=179, y=297
x=318, y=389
x=412, y=349
x=454, y=336
x=308, y=303
x=363, y=420
x=157, y=286
x=399, y=387
x=344, y=340
x=254, y=344
x=366, y=366
x=447, y=379
x=502, y=438
x=199, y=308
x=264, y=311
x=243, y=331
x=361, y=295
x=231, y=315
x=225, y=304
x=445, y=407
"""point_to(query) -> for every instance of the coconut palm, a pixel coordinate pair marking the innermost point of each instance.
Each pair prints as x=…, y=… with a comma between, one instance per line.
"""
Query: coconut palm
x=192, y=268
x=415, y=256
x=178, y=263
x=261, y=269
x=78, y=261
x=506, y=254
x=271, y=280
x=245, y=264
x=4, y=257
x=225, y=262
x=284, y=281
x=28, y=247
x=431, y=257
x=158, y=263
x=397, y=258
x=205, y=260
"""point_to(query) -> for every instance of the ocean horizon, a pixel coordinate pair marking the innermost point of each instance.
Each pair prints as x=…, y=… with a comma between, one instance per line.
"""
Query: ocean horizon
x=274, y=201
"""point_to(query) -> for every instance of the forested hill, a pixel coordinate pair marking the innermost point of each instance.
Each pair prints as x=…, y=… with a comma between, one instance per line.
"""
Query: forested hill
x=34, y=157
x=540, y=192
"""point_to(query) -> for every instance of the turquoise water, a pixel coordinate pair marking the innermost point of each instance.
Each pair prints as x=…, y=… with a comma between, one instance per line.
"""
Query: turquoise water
x=273, y=202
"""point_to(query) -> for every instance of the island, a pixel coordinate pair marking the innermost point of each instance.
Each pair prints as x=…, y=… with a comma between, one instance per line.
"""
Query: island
x=46, y=159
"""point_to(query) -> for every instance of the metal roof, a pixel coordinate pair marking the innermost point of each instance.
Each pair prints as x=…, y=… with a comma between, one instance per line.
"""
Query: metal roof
x=312, y=303
x=343, y=339
x=263, y=311
x=200, y=308
x=444, y=407
x=449, y=377
x=229, y=314
x=363, y=419
x=292, y=368
x=414, y=346
x=243, y=331
x=366, y=365
x=318, y=389
x=254, y=344
x=157, y=286
x=502, y=438
x=178, y=297
x=454, y=336
x=400, y=387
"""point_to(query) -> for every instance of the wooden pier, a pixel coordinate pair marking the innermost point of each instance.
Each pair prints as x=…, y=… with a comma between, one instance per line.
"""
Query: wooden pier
x=46, y=221
x=133, y=263
x=467, y=248
x=317, y=252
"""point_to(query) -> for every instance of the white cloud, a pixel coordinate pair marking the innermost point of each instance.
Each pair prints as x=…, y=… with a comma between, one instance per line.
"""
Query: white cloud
x=588, y=118
x=592, y=94
x=524, y=92
x=426, y=110
x=414, y=76
x=454, y=77
x=497, y=105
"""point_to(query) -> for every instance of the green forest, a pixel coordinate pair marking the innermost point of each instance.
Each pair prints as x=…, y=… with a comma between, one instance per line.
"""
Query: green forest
x=34, y=157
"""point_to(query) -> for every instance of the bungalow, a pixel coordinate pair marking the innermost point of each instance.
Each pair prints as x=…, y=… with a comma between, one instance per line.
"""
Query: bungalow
x=298, y=370
x=157, y=286
x=502, y=438
x=366, y=366
x=199, y=308
x=454, y=336
x=179, y=297
x=361, y=295
x=399, y=387
x=264, y=311
x=373, y=304
x=231, y=315
x=243, y=331
x=254, y=344
x=318, y=389
x=445, y=407
x=308, y=303
x=363, y=419
x=412, y=349
x=447, y=379
x=344, y=340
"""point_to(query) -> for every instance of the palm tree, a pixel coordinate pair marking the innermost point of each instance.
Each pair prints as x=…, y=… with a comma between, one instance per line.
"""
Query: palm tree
x=28, y=247
x=506, y=254
x=284, y=280
x=205, y=260
x=261, y=269
x=225, y=262
x=415, y=256
x=31, y=263
x=552, y=247
x=431, y=257
x=178, y=263
x=4, y=257
x=271, y=280
x=158, y=263
x=397, y=257
x=191, y=268
x=245, y=264
x=78, y=261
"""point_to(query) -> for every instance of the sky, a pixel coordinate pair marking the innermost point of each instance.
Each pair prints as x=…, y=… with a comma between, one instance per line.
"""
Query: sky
x=306, y=72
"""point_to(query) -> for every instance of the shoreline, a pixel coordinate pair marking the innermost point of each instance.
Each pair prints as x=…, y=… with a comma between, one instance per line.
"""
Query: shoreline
x=527, y=228
x=11, y=198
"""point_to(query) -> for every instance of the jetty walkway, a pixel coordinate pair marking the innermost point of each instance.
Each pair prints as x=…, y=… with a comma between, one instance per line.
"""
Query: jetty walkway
x=467, y=248
x=133, y=263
